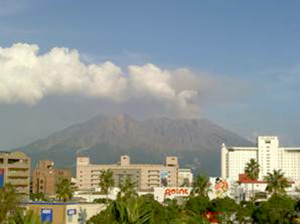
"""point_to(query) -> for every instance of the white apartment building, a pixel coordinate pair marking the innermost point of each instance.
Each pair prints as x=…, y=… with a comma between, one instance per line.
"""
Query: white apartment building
x=269, y=155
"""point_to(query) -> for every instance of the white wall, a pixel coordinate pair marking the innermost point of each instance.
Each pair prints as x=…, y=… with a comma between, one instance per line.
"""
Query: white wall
x=268, y=154
x=89, y=209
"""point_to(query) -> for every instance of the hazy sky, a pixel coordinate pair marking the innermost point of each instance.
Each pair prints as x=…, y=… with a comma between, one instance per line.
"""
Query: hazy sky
x=236, y=63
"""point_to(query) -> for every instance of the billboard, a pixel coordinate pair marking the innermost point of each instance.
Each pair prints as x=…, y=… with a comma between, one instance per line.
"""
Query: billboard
x=1, y=178
x=164, y=178
x=46, y=215
x=219, y=187
x=177, y=191
x=161, y=193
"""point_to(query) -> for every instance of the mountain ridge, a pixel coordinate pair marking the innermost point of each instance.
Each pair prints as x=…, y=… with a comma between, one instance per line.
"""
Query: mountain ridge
x=195, y=141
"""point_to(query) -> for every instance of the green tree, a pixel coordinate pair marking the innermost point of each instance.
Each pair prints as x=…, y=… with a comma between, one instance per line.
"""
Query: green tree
x=226, y=207
x=245, y=212
x=25, y=217
x=201, y=186
x=106, y=182
x=38, y=197
x=65, y=190
x=195, y=209
x=9, y=200
x=252, y=171
x=127, y=190
x=124, y=211
x=278, y=209
x=197, y=204
x=277, y=182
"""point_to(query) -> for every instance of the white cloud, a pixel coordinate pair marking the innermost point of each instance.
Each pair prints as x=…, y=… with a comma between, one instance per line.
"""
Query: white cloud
x=27, y=77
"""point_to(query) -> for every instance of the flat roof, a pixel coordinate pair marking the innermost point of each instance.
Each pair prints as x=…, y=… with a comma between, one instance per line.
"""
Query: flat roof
x=291, y=148
x=4, y=151
x=50, y=203
x=129, y=166
x=242, y=148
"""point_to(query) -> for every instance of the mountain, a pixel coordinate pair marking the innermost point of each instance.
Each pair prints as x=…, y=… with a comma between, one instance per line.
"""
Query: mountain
x=104, y=138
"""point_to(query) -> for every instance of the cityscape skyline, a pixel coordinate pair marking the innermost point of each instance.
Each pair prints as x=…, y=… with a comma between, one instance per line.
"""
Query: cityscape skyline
x=149, y=111
x=244, y=55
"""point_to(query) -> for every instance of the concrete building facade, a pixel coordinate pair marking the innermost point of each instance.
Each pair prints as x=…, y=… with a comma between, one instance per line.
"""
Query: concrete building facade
x=268, y=154
x=65, y=213
x=185, y=177
x=15, y=170
x=145, y=176
x=46, y=176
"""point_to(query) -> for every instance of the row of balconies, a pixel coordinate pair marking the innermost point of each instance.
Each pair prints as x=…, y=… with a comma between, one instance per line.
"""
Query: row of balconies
x=21, y=182
x=18, y=174
x=153, y=171
x=18, y=165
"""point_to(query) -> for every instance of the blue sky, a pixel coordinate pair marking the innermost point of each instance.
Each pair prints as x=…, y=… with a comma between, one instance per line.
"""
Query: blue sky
x=252, y=47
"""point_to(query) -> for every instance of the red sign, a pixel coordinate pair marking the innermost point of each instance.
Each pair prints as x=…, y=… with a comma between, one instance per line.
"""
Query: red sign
x=177, y=191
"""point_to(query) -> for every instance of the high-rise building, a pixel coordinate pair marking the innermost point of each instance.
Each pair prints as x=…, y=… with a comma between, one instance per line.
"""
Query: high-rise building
x=267, y=153
x=46, y=176
x=15, y=170
x=144, y=176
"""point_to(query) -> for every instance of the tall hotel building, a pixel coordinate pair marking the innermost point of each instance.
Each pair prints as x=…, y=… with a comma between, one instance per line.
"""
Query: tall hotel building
x=268, y=154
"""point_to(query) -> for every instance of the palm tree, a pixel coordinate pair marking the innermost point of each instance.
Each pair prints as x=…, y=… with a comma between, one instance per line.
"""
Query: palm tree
x=65, y=190
x=9, y=200
x=277, y=182
x=201, y=185
x=106, y=182
x=252, y=171
x=126, y=211
x=127, y=190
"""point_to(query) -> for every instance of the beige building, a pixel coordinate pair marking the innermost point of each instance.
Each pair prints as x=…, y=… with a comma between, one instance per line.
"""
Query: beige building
x=145, y=176
x=65, y=213
x=46, y=176
x=15, y=170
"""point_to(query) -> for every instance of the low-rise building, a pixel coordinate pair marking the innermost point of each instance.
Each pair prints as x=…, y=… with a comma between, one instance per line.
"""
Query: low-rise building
x=145, y=176
x=15, y=170
x=64, y=213
x=46, y=176
x=248, y=188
